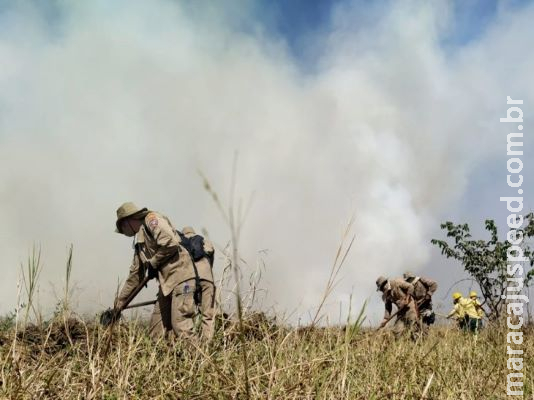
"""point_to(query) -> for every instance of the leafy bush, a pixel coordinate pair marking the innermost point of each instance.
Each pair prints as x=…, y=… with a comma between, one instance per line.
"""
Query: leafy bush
x=486, y=260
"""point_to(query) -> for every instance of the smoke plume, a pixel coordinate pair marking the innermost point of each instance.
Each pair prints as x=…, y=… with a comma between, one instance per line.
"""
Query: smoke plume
x=102, y=103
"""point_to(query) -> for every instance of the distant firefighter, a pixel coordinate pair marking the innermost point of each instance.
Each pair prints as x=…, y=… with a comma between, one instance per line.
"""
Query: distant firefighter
x=424, y=289
x=400, y=293
x=465, y=313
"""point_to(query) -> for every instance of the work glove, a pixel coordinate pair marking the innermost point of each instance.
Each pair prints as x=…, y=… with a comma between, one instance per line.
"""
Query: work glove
x=403, y=304
x=152, y=272
x=110, y=316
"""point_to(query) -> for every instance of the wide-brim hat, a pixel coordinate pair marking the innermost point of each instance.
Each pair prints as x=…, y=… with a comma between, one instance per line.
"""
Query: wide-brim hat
x=127, y=210
x=188, y=230
x=408, y=275
x=380, y=282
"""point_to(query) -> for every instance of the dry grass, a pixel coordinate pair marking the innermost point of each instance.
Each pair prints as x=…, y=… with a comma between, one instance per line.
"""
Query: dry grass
x=250, y=357
x=67, y=359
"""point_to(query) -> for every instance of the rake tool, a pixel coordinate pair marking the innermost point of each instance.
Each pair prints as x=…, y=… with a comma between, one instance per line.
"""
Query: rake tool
x=112, y=315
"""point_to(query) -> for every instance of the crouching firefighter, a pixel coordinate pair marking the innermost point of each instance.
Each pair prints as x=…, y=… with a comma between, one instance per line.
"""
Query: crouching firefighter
x=400, y=293
x=423, y=290
x=158, y=253
x=202, y=254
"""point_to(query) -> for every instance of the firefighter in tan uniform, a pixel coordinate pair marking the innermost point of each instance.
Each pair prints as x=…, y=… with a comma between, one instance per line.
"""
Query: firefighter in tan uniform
x=400, y=293
x=158, y=252
x=423, y=290
x=204, y=264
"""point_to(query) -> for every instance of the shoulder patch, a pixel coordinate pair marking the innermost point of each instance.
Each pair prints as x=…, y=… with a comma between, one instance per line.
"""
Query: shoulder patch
x=152, y=220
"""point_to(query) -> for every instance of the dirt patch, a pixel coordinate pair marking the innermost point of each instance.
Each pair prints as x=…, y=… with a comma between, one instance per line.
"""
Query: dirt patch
x=54, y=336
x=256, y=326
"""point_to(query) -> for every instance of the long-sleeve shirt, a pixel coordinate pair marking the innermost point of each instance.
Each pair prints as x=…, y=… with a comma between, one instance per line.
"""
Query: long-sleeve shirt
x=158, y=243
x=423, y=287
x=462, y=308
x=399, y=293
x=478, y=307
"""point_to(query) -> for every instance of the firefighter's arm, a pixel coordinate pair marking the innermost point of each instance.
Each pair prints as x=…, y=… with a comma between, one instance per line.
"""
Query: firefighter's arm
x=431, y=286
x=387, y=313
x=455, y=312
x=208, y=247
x=209, y=250
x=407, y=288
x=166, y=239
x=451, y=314
x=135, y=277
x=479, y=308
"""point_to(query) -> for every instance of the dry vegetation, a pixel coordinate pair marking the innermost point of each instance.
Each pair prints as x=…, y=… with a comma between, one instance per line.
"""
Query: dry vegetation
x=252, y=356
x=69, y=358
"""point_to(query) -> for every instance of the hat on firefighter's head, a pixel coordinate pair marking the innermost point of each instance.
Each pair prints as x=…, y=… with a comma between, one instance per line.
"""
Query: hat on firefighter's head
x=473, y=294
x=129, y=210
x=188, y=230
x=380, y=282
x=456, y=296
x=408, y=276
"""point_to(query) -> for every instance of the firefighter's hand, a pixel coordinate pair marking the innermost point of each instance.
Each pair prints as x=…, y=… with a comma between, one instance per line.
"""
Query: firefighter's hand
x=152, y=272
x=110, y=316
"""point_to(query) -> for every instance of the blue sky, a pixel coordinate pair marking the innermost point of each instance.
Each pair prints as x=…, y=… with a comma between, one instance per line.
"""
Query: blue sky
x=294, y=20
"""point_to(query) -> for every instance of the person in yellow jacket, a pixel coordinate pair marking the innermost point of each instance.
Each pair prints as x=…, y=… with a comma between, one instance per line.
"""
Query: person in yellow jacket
x=476, y=302
x=465, y=313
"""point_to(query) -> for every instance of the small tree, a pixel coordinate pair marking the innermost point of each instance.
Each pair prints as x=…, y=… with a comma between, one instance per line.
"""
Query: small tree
x=485, y=261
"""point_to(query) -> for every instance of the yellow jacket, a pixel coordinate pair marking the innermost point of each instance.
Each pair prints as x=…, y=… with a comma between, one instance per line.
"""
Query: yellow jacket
x=478, y=307
x=462, y=307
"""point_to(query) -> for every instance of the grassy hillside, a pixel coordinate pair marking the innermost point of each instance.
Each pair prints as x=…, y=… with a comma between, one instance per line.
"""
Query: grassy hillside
x=68, y=358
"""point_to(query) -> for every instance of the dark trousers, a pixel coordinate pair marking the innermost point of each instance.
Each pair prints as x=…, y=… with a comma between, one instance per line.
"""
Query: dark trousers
x=470, y=324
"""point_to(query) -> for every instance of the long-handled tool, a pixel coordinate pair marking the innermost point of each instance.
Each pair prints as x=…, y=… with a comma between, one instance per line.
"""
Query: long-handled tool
x=391, y=317
x=142, y=304
x=417, y=304
x=111, y=315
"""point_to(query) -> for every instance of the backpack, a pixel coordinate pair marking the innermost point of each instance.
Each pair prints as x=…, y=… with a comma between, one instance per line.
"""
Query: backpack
x=194, y=246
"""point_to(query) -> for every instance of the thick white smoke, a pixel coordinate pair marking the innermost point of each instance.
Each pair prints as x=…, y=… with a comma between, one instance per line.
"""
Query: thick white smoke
x=105, y=103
